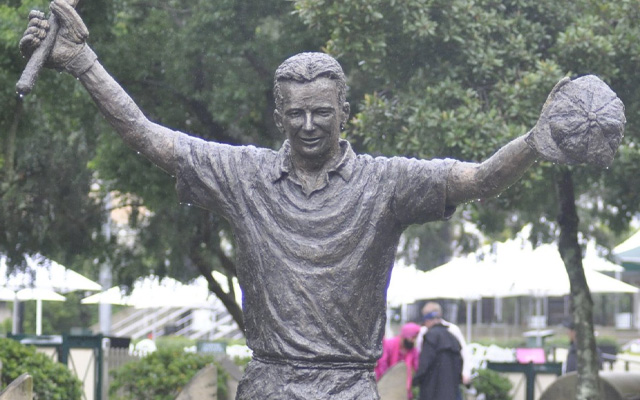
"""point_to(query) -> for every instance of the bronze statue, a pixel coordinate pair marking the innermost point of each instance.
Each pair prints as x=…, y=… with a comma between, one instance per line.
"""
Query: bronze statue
x=315, y=224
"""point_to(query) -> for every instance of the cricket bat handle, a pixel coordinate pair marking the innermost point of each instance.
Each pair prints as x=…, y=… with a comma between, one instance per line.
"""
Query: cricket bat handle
x=39, y=57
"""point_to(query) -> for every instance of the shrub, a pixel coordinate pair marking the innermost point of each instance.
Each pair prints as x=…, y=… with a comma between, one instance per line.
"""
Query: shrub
x=610, y=343
x=161, y=375
x=504, y=343
x=174, y=342
x=493, y=385
x=51, y=380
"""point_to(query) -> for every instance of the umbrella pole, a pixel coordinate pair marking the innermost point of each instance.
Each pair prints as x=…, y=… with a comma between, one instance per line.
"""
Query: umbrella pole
x=38, y=317
x=516, y=311
x=538, y=323
x=469, y=317
x=636, y=310
x=16, y=316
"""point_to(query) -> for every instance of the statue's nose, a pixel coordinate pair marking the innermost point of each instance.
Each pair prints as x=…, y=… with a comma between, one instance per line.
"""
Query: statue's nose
x=308, y=122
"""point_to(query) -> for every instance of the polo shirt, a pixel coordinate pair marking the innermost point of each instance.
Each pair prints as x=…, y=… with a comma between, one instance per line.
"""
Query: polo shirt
x=313, y=267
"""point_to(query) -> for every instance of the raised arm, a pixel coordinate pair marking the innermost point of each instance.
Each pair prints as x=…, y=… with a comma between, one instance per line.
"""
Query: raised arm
x=470, y=181
x=582, y=121
x=152, y=140
x=72, y=54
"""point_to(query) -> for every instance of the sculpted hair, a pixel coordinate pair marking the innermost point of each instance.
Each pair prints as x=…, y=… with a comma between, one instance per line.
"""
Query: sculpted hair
x=306, y=67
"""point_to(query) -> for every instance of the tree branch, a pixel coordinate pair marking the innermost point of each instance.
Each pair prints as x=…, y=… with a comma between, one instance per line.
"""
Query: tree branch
x=227, y=299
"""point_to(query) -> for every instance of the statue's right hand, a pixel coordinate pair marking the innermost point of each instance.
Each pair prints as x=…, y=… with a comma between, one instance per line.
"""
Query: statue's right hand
x=35, y=33
x=69, y=41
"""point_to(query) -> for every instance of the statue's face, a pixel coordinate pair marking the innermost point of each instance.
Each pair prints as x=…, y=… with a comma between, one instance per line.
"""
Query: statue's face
x=310, y=117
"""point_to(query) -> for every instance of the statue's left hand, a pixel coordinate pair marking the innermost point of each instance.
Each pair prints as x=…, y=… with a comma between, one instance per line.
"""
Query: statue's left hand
x=582, y=121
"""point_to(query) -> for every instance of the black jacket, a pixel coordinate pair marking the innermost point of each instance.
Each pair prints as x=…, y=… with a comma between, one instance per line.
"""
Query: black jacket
x=439, y=371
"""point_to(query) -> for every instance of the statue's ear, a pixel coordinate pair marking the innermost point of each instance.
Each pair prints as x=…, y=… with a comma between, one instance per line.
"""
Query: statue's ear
x=277, y=118
x=346, y=110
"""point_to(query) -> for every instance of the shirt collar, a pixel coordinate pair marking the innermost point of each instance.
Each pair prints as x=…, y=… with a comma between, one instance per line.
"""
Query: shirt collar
x=283, y=165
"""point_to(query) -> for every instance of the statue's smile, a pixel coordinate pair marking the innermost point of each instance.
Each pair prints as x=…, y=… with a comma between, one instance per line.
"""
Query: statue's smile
x=312, y=140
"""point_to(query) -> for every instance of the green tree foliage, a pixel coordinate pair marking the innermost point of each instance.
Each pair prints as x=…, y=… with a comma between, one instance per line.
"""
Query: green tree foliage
x=51, y=380
x=46, y=204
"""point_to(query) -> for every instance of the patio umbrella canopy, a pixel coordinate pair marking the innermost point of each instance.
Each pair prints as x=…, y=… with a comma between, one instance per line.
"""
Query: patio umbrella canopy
x=406, y=285
x=511, y=269
x=541, y=273
x=42, y=272
x=7, y=294
x=40, y=281
x=38, y=294
x=153, y=292
x=629, y=251
x=515, y=269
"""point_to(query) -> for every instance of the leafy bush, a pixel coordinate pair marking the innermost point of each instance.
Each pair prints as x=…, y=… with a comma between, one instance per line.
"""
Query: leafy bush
x=174, y=342
x=161, y=375
x=510, y=343
x=493, y=385
x=608, y=342
x=5, y=326
x=557, y=342
x=51, y=380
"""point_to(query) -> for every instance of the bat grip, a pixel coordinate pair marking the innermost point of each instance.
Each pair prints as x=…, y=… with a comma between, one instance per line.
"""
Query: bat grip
x=37, y=60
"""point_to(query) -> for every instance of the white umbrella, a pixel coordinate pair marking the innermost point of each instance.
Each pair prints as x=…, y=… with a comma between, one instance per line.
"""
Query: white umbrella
x=542, y=272
x=405, y=285
x=466, y=278
x=629, y=250
x=113, y=295
x=42, y=272
x=511, y=269
x=151, y=292
x=408, y=284
x=593, y=261
x=7, y=294
x=39, y=295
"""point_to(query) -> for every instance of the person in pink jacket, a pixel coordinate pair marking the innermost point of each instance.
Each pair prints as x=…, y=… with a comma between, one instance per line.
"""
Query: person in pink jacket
x=400, y=348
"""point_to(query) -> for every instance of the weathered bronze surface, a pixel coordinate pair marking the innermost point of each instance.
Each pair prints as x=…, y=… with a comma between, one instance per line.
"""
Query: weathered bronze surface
x=582, y=122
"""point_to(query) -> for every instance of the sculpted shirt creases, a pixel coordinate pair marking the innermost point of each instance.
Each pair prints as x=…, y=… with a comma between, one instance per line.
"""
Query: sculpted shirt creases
x=314, y=267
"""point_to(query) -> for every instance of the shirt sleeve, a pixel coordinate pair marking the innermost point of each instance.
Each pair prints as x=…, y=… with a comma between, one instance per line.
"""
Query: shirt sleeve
x=420, y=189
x=209, y=174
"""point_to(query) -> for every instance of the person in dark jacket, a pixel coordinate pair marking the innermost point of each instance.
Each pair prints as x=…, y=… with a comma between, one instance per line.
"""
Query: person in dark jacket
x=571, y=363
x=439, y=373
